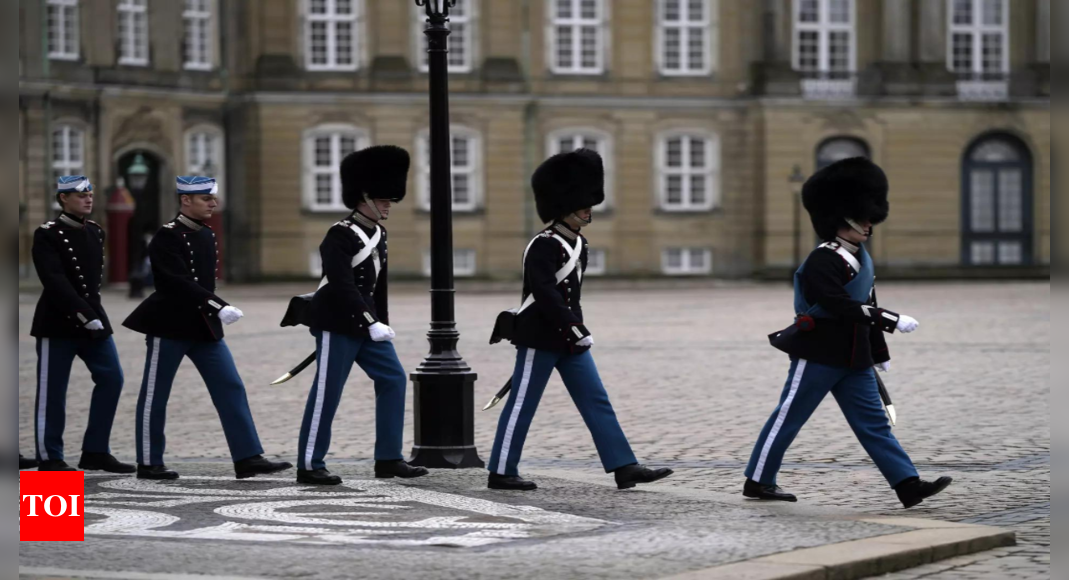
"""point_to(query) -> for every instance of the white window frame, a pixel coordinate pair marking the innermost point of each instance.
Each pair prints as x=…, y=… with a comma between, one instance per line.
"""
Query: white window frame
x=63, y=161
x=604, y=144
x=465, y=263
x=67, y=13
x=687, y=268
x=132, y=50
x=469, y=34
x=709, y=27
x=600, y=268
x=204, y=22
x=310, y=170
x=824, y=28
x=474, y=169
x=196, y=142
x=978, y=29
x=604, y=38
x=331, y=18
x=711, y=172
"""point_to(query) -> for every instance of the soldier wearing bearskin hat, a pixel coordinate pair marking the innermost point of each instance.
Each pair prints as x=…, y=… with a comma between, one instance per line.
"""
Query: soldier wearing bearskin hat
x=549, y=331
x=349, y=318
x=838, y=335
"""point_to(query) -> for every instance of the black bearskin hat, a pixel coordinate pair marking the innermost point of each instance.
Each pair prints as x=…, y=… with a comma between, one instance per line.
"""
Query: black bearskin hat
x=854, y=188
x=381, y=172
x=568, y=182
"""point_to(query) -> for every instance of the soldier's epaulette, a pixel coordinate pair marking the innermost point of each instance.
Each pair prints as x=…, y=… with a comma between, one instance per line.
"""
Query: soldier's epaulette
x=344, y=224
x=833, y=246
x=47, y=225
x=545, y=234
x=169, y=225
x=92, y=222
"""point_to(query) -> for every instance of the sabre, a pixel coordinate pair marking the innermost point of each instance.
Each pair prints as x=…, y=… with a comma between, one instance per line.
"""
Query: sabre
x=296, y=370
x=500, y=395
x=886, y=399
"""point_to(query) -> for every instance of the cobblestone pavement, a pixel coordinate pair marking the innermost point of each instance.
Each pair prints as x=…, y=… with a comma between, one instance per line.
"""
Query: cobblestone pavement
x=693, y=379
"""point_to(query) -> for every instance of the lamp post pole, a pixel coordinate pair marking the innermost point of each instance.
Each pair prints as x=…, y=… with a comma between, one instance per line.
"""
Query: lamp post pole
x=444, y=385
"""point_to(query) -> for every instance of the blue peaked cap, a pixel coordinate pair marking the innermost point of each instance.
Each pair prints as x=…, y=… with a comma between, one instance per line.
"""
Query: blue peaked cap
x=194, y=185
x=73, y=184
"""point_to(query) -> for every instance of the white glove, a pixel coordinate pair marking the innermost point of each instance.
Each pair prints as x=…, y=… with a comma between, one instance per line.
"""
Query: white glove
x=907, y=324
x=229, y=315
x=588, y=341
x=94, y=325
x=884, y=366
x=381, y=333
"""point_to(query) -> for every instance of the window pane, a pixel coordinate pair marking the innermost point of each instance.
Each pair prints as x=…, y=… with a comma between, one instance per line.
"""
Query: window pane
x=458, y=46
x=697, y=259
x=674, y=155
x=591, y=144
x=697, y=153
x=840, y=11
x=319, y=42
x=982, y=194
x=962, y=47
x=992, y=52
x=564, y=8
x=461, y=152
x=696, y=49
x=672, y=49
x=589, y=46
x=322, y=152
x=697, y=190
x=1010, y=253
x=839, y=51
x=343, y=6
x=839, y=149
x=344, y=42
x=346, y=146
x=461, y=189
x=324, y=188
x=983, y=253
x=996, y=151
x=963, y=12
x=1010, y=201
x=696, y=10
x=588, y=9
x=672, y=10
x=318, y=6
x=808, y=50
x=809, y=11
x=675, y=259
x=675, y=190
x=565, y=57
x=993, y=12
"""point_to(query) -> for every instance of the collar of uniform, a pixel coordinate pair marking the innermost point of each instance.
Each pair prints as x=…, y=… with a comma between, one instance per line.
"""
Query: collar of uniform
x=849, y=247
x=71, y=221
x=565, y=231
x=363, y=221
x=190, y=222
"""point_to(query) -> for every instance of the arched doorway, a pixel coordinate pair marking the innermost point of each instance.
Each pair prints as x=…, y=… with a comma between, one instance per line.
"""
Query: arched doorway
x=997, y=203
x=839, y=148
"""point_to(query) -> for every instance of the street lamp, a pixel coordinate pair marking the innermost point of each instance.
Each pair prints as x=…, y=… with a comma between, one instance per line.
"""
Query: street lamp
x=797, y=180
x=137, y=173
x=444, y=385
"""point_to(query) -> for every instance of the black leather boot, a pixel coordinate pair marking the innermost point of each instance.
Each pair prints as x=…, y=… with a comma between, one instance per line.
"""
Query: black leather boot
x=914, y=491
x=55, y=465
x=257, y=465
x=26, y=463
x=317, y=477
x=399, y=468
x=156, y=473
x=632, y=475
x=754, y=490
x=104, y=462
x=510, y=483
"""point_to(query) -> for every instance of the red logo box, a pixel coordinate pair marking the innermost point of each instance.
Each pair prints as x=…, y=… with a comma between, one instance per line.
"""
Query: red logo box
x=51, y=506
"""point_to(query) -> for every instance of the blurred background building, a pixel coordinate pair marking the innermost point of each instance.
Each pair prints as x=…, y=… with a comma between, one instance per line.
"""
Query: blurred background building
x=708, y=114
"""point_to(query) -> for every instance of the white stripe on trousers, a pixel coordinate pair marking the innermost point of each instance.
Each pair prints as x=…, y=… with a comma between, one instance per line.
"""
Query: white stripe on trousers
x=783, y=410
x=321, y=392
x=146, y=413
x=521, y=394
x=42, y=401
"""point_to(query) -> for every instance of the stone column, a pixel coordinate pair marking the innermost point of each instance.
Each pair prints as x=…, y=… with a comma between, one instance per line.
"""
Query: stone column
x=897, y=30
x=777, y=30
x=933, y=31
x=1043, y=31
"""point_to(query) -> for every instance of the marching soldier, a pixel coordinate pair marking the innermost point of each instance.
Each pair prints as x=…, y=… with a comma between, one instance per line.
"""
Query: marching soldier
x=549, y=331
x=838, y=335
x=184, y=318
x=349, y=318
x=70, y=322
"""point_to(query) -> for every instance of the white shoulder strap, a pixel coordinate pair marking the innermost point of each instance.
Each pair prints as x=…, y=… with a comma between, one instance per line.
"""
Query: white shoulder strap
x=564, y=272
x=369, y=246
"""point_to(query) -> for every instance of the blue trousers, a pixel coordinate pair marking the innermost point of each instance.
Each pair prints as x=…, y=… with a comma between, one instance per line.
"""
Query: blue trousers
x=335, y=355
x=54, y=359
x=580, y=376
x=216, y=367
x=858, y=396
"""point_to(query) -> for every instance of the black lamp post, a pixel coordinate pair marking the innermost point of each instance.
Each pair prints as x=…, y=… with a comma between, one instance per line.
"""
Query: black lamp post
x=444, y=384
x=797, y=180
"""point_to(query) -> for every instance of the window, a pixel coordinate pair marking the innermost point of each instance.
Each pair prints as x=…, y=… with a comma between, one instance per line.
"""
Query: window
x=324, y=149
x=578, y=36
x=824, y=44
x=595, y=262
x=63, y=39
x=463, y=263
x=462, y=37
x=685, y=36
x=997, y=204
x=839, y=148
x=687, y=261
x=68, y=153
x=572, y=139
x=979, y=38
x=199, y=41
x=689, y=172
x=466, y=157
x=204, y=155
x=133, y=32
x=332, y=35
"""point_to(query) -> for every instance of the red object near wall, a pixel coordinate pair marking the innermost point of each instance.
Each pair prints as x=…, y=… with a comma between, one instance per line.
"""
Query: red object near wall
x=216, y=223
x=120, y=210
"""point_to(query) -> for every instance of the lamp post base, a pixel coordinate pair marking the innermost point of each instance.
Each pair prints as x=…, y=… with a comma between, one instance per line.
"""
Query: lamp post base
x=445, y=421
